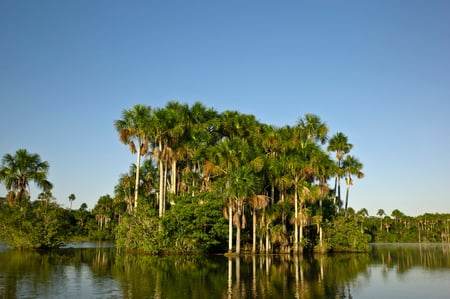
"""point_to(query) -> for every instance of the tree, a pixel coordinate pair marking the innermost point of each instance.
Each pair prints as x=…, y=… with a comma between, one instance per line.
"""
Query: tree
x=351, y=166
x=46, y=197
x=381, y=213
x=339, y=144
x=313, y=130
x=310, y=131
x=71, y=199
x=361, y=215
x=17, y=171
x=197, y=152
x=271, y=145
x=133, y=131
x=257, y=202
x=226, y=158
x=398, y=215
x=243, y=186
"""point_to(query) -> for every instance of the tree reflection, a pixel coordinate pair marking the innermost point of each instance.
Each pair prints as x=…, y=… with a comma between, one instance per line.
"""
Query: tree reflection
x=403, y=257
x=71, y=272
x=286, y=276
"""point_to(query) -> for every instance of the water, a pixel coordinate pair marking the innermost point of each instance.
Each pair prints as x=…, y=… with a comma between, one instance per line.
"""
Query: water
x=97, y=270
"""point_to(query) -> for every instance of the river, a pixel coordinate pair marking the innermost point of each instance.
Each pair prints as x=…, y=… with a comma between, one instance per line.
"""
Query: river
x=98, y=270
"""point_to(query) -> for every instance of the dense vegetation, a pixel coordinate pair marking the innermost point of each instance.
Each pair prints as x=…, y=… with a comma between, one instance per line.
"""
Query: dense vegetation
x=213, y=182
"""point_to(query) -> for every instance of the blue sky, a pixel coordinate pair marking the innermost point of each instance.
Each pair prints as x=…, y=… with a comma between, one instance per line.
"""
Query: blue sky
x=379, y=71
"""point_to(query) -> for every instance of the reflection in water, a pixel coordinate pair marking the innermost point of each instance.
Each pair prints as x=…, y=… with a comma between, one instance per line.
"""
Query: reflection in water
x=407, y=271
x=57, y=273
x=285, y=276
x=403, y=257
x=108, y=273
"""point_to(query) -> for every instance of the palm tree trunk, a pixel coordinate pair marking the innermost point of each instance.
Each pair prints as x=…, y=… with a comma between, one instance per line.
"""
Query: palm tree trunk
x=262, y=224
x=230, y=227
x=136, y=184
x=164, y=188
x=335, y=190
x=173, y=177
x=254, y=231
x=161, y=180
x=339, y=192
x=296, y=219
x=346, y=198
x=238, y=239
x=272, y=194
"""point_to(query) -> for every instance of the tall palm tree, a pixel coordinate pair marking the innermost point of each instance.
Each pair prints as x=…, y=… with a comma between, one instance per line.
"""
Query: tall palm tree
x=339, y=144
x=18, y=170
x=313, y=130
x=134, y=131
x=351, y=166
x=243, y=185
x=308, y=133
x=397, y=215
x=163, y=128
x=71, y=199
x=224, y=161
x=125, y=188
x=271, y=144
x=177, y=123
x=361, y=216
x=257, y=202
x=381, y=214
x=298, y=173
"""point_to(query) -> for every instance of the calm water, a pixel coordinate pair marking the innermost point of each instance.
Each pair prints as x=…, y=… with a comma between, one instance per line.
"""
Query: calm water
x=93, y=270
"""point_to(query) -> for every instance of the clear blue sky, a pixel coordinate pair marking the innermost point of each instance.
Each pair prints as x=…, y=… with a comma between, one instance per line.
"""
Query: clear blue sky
x=379, y=71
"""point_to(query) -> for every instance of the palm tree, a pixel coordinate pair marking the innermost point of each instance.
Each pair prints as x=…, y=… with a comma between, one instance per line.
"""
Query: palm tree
x=71, y=199
x=298, y=174
x=103, y=211
x=351, y=166
x=361, y=215
x=310, y=131
x=323, y=169
x=313, y=130
x=46, y=197
x=271, y=145
x=257, y=202
x=398, y=215
x=381, y=213
x=125, y=188
x=243, y=185
x=134, y=131
x=177, y=122
x=224, y=161
x=163, y=126
x=339, y=144
x=17, y=171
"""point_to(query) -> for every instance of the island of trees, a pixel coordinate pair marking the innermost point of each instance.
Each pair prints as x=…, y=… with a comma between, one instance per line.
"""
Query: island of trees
x=207, y=182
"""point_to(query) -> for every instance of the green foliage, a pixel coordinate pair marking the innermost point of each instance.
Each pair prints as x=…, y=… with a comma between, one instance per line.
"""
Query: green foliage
x=343, y=234
x=139, y=231
x=105, y=217
x=427, y=228
x=196, y=224
x=37, y=225
x=193, y=224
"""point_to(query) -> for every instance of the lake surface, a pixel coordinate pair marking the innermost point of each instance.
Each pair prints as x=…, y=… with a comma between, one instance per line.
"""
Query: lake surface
x=97, y=270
